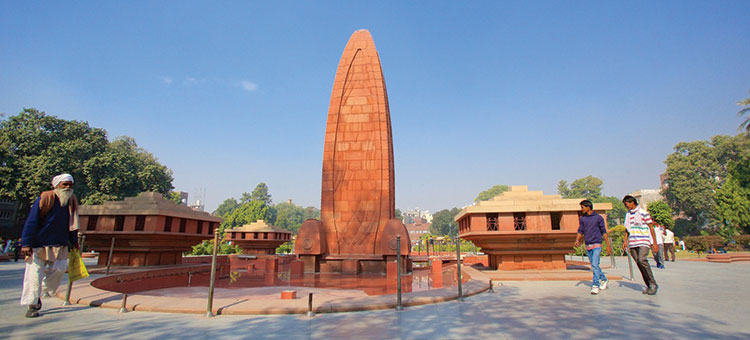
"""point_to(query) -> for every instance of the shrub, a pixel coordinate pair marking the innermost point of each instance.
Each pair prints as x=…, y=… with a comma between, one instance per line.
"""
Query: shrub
x=733, y=247
x=742, y=240
x=702, y=244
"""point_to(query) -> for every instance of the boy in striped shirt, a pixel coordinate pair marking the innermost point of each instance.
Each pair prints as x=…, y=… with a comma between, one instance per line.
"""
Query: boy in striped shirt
x=640, y=230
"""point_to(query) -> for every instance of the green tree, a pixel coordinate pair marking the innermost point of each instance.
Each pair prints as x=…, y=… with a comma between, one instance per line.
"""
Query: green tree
x=696, y=170
x=260, y=193
x=491, y=192
x=443, y=224
x=733, y=198
x=311, y=213
x=588, y=187
x=685, y=227
x=289, y=216
x=399, y=215
x=174, y=196
x=617, y=214
x=124, y=170
x=733, y=207
x=248, y=213
x=661, y=213
x=745, y=111
x=226, y=207
x=285, y=248
x=35, y=146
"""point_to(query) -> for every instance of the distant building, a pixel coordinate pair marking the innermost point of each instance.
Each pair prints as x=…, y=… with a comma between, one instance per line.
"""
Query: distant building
x=417, y=229
x=183, y=198
x=646, y=196
x=664, y=180
x=414, y=215
x=8, y=213
x=198, y=206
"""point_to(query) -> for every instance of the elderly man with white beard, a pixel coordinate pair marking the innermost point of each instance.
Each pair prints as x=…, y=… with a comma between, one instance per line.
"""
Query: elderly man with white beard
x=50, y=229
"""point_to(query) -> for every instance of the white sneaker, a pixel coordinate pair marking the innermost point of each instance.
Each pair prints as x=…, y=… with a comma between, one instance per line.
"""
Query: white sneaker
x=594, y=290
x=603, y=284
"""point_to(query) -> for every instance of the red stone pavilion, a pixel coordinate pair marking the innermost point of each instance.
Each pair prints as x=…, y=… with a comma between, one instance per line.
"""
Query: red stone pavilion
x=258, y=238
x=521, y=229
x=148, y=230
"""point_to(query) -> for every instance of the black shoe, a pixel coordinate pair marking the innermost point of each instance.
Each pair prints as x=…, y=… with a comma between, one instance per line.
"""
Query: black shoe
x=32, y=313
x=33, y=310
x=652, y=290
x=645, y=290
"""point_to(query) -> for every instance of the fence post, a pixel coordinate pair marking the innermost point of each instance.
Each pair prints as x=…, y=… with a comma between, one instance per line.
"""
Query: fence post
x=109, y=258
x=458, y=268
x=123, y=309
x=209, y=307
x=310, y=312
x=398, y=272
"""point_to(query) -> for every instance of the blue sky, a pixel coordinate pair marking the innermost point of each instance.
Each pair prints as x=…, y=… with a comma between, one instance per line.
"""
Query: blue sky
x=228, y=94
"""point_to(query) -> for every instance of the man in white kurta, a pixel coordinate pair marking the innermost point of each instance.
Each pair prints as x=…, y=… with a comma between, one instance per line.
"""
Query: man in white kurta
x=52, y=227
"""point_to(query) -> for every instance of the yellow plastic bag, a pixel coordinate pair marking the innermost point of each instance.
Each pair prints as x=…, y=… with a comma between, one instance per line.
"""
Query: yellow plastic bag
x=76, y=268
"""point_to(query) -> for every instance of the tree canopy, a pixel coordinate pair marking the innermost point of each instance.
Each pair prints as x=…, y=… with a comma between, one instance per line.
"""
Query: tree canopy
x=226, y=207
x=733, y=198
x=290, y=216
x=697, y=172
x=124, y=170
x=661, y=213
x=616, y=216
x=248, y=213
x=588, y=187
x=491, y=192
x=35, y=146
x=257, y=206
x=260, y=193
x=443, y=224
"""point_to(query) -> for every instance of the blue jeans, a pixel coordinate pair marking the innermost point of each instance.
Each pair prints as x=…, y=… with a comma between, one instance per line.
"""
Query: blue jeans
x=594, y=260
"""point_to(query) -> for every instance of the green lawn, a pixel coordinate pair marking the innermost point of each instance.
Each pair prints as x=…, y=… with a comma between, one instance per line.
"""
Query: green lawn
x=688, y=255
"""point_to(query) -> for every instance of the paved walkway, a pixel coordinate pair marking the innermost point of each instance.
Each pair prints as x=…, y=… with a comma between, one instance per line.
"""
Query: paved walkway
x=696, y=300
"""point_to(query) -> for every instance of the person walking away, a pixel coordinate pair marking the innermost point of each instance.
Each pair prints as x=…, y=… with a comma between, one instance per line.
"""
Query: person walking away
x=668, y=244
x=17, y=250
x=640, y=231
x=592, y=229
x=52, y=226
x=659, y=255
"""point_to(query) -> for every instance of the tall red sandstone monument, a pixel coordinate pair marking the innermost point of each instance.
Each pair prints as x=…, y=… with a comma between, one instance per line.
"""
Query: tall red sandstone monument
x=357, y=231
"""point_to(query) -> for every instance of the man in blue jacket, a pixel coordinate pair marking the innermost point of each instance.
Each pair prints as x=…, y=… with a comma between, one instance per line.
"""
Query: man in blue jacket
x=592, y=229
x=52, y=227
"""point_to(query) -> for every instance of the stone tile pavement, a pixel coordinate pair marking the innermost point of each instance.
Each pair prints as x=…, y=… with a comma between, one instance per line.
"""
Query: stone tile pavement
x=696, y=300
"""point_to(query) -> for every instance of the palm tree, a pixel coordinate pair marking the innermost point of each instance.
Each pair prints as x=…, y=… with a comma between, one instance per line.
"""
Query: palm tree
x=745, y=111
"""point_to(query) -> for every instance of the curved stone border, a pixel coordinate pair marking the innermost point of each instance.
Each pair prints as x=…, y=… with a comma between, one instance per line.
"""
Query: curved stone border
x=325, y=300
